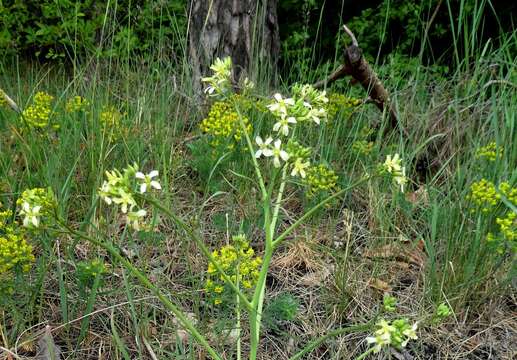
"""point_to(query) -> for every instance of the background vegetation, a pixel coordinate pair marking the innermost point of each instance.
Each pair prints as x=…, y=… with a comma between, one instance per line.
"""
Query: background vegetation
x=453, y=81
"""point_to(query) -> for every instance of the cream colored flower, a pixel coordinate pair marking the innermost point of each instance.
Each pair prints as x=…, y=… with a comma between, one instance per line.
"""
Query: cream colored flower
x=32, y=214
x=147, y=181
x=283, y=124
x=264, y=149
x=279, y=154
x=299, y=168
x=133, y=218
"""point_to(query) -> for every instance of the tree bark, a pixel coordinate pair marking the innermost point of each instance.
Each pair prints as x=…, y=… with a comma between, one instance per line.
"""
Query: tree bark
x=245, y=30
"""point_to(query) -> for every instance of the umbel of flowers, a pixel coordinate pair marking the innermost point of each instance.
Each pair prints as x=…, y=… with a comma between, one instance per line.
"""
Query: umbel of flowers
x=239, y=262
x=121, y=188
x=15, y=252
x=222, y=124
x=38, y=114
x=396, y=334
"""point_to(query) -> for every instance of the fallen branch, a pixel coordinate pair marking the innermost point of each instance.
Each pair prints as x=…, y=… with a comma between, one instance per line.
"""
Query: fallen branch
x=9, y=101
x=355, y=65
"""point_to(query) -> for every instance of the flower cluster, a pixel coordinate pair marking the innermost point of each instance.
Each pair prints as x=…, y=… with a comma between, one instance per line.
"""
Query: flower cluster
x=120, y=189
x=3, y=101
x=508, y=226
x=88, y=270
x=37, y=115
x=110, y=117
x=222, y=123
x=76, y=104
x=220, y=82
x=393, y=166
x=389, y=303
x=239, y=262
x=509, y=192
x=484, y=195
x=320, y=178
x=15, y=252
x=362, y=147
x=396, y=334
x=340, y=102
x=490, y=152
x=35, y=204
x=307, y=104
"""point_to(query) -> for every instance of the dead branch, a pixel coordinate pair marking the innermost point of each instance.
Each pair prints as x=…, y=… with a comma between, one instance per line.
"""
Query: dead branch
x=9, y=101
x=356, y=66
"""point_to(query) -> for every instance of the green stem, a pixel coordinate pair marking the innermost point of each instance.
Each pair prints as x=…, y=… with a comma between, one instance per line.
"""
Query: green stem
x=238, y=314
x=315, y=343
x=185, y=322
x=260, y=290
x=365, y=354
x=309, y=213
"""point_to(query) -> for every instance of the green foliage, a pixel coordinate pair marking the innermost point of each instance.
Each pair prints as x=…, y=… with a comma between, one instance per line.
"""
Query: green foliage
x=64, y=28
x=281, y=309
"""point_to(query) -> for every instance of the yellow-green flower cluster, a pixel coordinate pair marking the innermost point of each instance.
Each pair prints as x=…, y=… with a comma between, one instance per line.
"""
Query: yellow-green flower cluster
x=509, y=192
x=110, y=117
x=3, y=101
x=490, y=152
x=35, y=204
x=297, y=151
x=320, y=178
x=339, y=102
x=87, y=271
x=508, y=226
x=15, y=252
x=222, y=123
x=362, y=147
x=76, y=104
x=484, y=195
x=239, y=262
x=37, y=115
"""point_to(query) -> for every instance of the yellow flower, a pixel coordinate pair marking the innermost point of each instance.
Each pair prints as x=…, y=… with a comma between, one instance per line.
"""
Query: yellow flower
x=76, y=104
x=222, y=123
x=238, y=262
x=483, y=194
x=37, y=115
x=491, y=152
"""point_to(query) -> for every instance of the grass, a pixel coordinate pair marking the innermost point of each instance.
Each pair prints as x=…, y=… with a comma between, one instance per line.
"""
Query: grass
x=425, y=247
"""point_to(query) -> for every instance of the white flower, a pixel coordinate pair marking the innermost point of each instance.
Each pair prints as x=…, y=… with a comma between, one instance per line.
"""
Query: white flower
x=393, y=165
x=147, y=181
x=280, y=106
x=382, y=336
x=278, y=153
x=316, y=115
x=299, y=168
x=410, y=334
x=32, y=214
x=263, y=147
x=133, y=218
x=104, y=191
x=283, y=124
x=125, y=200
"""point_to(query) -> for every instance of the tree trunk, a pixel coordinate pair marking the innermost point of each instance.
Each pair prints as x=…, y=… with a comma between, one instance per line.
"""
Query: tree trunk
x=245, y=30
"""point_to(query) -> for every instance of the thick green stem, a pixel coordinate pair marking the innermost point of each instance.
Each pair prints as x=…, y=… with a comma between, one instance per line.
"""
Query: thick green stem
x=185, y=322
